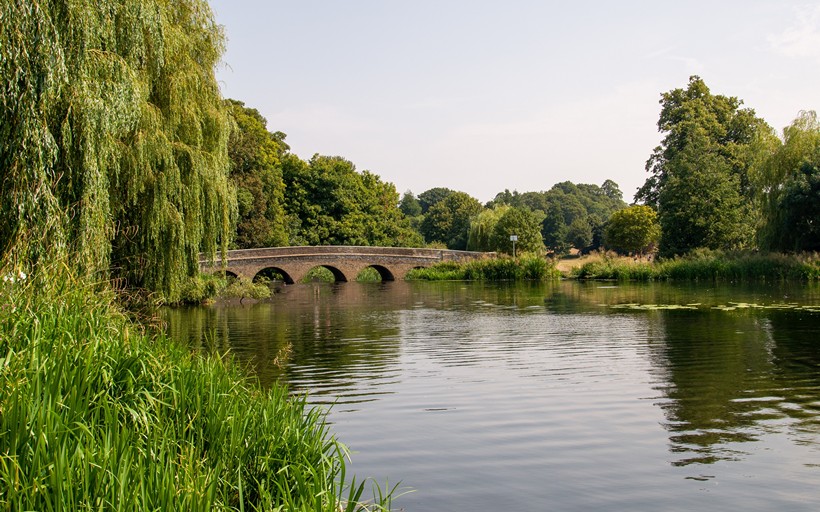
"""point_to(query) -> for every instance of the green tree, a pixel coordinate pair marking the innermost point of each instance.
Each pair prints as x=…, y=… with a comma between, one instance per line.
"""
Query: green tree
x=409, y=205
x=523, y=223
x=701, y=174
x=482, y=227
x=257, y=175
x=800, y=207
x=430, y=198
x=788, y=188
x=114, y=137
x=579, y=234
x=633, y=230
x=554, y=230
x=329, y=203
x=448, y=220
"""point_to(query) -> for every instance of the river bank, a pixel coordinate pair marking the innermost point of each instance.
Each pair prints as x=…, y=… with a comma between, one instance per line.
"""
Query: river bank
x=100, y=411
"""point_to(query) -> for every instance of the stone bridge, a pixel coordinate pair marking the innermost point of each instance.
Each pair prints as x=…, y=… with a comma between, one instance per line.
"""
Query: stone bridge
x=345, y=262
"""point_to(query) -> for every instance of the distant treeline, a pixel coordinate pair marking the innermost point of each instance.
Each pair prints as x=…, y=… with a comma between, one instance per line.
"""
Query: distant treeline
x=284, y=200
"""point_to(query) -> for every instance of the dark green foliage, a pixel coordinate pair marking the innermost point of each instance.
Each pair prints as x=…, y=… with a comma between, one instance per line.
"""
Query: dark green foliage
x=448, y=220
x=256, y=174
x=579, y=233
x=114, y=137
x=429, y=198
x=790, y=189
x=554, y=230
x=800, y=204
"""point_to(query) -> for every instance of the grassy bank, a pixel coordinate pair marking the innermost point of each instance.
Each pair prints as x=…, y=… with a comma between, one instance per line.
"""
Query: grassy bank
x=705, y=265
x=526, y=267
x=96, y=414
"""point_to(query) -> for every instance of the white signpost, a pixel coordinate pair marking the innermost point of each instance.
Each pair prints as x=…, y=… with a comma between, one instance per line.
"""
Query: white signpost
x=513, y=239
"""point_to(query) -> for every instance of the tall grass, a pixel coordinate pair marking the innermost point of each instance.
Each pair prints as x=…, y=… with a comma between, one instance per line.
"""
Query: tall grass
x=707, y=265
x=526, y=267
x=95, y=414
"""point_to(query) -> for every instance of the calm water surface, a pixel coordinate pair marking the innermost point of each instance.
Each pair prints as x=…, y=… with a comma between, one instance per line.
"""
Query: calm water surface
x=559, y=396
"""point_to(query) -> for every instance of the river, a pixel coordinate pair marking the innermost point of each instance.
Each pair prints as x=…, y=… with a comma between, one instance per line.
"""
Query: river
x=559, y=396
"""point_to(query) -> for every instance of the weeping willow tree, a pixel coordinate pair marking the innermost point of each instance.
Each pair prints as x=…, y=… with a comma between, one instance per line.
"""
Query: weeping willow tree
x=114, y=137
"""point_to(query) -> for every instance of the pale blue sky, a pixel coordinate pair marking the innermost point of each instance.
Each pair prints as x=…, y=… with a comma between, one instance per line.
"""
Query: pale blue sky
x=481, y=96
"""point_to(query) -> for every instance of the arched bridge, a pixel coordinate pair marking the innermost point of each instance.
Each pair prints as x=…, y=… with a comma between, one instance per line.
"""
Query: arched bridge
x=345, y=262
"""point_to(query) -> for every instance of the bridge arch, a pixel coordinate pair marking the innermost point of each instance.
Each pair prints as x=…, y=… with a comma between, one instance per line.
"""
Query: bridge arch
x=384, y=272
x=338, y=275
x=269, y=272
x=226, y=274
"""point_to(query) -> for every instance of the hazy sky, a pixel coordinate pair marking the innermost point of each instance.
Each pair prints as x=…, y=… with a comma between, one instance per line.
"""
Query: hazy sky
x=481, y=95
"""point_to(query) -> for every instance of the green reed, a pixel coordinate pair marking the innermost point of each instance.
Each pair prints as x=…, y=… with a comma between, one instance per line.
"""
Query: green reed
x=525, y=267
x=97, y=414
x=708, y=265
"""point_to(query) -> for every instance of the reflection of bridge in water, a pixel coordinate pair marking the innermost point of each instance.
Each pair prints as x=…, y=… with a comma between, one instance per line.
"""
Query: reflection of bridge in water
x=345, y=262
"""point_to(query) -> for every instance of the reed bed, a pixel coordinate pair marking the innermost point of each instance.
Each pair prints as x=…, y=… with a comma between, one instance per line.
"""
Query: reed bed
x=524, y=268
x=706, y=265
x=96, y=414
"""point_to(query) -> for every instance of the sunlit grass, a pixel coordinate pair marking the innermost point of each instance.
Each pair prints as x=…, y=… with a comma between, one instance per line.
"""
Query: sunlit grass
x=525, y=267
x=97, y=414
x=706, y=265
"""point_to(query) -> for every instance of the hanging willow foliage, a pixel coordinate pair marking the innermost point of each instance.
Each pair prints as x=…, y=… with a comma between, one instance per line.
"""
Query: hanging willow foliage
x=114, y=136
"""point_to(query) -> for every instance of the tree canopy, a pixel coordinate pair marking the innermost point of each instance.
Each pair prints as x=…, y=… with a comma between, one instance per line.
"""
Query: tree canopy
x=701, y=174
x=329, y=203
x=789, y=185
x=256, y=173
x=114, y=136
x=633, y=230
x=448, y=220
x=522, y=223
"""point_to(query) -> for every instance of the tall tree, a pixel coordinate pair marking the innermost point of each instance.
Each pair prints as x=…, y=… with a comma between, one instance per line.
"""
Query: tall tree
x=329, y=203
x=448, y=221
x=554, y=230
x=114, y=136
x=409, y=205
x=256, y=173
x=701, y=173
x=789, y=185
